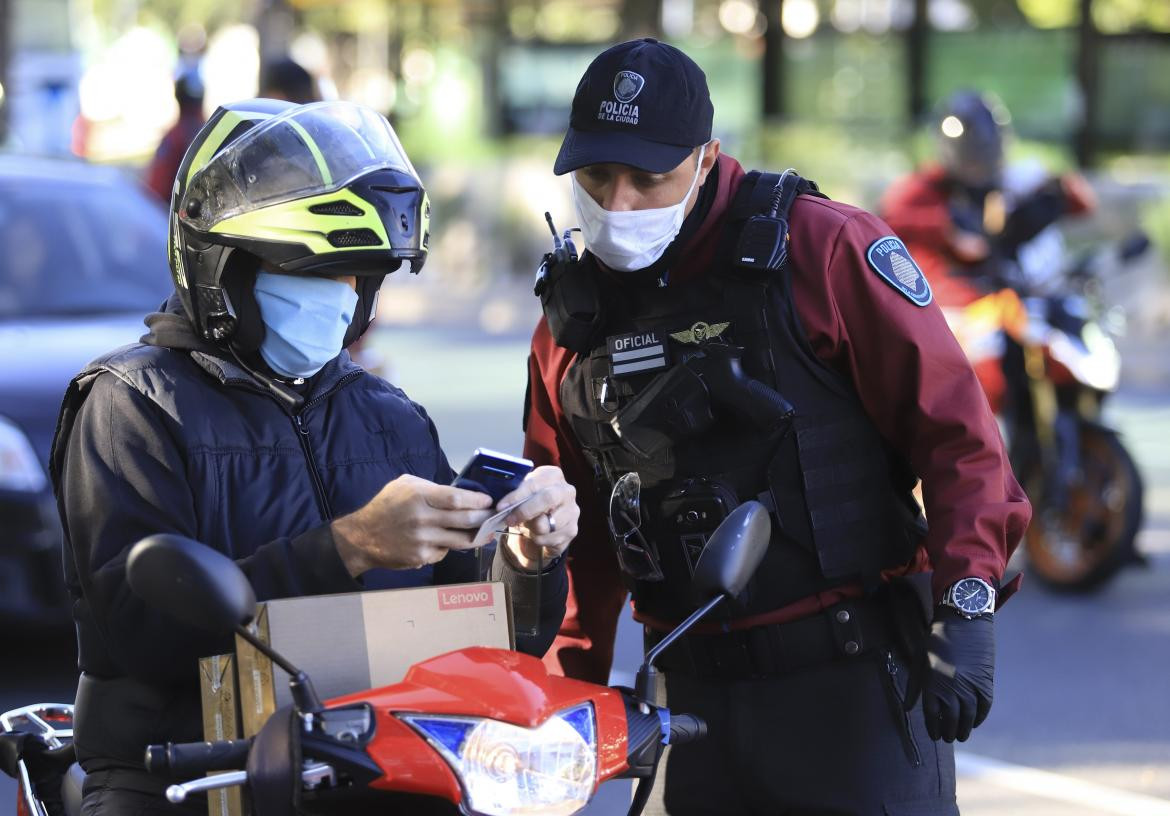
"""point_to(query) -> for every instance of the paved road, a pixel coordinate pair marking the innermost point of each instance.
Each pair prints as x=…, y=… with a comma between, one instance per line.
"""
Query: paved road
x=1082, y=714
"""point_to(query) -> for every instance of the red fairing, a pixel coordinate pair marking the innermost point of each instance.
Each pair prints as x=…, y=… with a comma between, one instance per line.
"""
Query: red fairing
x=479, y=682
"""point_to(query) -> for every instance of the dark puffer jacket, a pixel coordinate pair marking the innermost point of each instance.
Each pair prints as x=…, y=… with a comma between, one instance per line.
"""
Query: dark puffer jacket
x=168, y=436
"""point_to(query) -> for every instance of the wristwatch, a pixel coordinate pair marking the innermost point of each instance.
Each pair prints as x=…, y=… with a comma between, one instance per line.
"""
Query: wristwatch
x=970, y=597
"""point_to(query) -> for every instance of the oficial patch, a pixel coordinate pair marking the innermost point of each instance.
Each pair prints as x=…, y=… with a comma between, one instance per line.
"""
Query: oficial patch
x=891, y=260
x=636, y=353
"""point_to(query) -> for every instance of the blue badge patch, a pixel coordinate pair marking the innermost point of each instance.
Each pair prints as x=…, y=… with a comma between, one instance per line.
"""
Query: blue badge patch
x=889, y=258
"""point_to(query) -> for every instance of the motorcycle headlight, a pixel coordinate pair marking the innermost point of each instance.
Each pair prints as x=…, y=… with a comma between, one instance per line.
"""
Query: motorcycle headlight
x=19, y=467
x=506, y=770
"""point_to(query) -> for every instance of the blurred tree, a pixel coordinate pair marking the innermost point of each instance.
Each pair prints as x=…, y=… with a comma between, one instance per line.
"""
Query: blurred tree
x=211, y=14
x=1110, y=16
x=773, y=102
x=917, y=57
x=1088, y=76
x=641, y=18
x=276, y=22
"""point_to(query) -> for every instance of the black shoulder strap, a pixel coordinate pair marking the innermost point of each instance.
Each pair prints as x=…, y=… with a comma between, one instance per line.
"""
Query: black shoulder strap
x=755, y=241
x=757, y=190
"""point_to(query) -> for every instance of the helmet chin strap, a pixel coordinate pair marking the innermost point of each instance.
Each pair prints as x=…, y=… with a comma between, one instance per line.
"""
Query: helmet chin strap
x=290, y=399
x=368, y=288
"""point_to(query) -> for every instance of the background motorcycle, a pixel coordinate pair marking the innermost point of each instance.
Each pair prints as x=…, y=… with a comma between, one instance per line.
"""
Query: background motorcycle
x=1061, y=365
x=477, y=731
x=1045, y=329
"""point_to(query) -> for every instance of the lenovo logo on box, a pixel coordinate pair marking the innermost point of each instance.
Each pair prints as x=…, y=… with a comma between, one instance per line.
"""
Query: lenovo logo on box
x=466, y=596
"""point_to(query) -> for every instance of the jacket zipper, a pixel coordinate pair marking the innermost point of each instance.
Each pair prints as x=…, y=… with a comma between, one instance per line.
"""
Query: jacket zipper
x=907, y=733
x=303, y=433
x=318, y=484
x=307, y=448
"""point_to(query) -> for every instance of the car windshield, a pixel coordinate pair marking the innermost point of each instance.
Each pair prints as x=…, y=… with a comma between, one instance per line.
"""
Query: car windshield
x=76, y=247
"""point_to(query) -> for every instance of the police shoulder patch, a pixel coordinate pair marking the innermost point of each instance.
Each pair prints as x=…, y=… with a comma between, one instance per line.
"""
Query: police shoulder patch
x=889, y=257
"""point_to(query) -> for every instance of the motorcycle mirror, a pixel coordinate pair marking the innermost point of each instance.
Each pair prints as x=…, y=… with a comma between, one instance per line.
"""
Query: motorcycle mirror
x=191, y=582
x=205, y=589
x=733, y=552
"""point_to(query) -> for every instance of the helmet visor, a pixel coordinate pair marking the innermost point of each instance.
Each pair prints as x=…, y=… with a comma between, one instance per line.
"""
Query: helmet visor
x=306, y=151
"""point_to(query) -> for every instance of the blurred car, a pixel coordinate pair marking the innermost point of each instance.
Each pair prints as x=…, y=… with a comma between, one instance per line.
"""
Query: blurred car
x=82, y=261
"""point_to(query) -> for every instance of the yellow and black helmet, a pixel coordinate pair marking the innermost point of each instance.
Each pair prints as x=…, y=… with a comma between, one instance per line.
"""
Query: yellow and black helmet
x=317, y=189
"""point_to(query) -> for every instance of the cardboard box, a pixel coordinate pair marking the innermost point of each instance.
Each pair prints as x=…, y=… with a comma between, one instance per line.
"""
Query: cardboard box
x=221, y=721
x=362, y=640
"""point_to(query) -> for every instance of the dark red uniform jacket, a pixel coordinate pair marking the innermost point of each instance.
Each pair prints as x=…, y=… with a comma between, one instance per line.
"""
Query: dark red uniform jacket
x=912, y=378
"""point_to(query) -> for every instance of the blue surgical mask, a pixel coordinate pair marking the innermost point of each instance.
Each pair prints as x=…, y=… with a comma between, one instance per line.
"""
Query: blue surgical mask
x=305, y=320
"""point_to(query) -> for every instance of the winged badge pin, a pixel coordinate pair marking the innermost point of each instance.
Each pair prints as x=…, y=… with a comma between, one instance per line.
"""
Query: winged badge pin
x=700, y=333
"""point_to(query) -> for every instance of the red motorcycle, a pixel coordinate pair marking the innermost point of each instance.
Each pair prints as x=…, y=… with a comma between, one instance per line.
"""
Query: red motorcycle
x=477, y=731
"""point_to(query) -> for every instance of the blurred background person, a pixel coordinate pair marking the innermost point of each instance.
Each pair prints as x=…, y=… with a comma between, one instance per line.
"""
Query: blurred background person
x=285, y=78
x=978, y=225
x=160, y=173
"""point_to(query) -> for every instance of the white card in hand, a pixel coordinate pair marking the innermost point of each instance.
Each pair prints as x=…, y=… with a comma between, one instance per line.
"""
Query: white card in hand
x=494, y=524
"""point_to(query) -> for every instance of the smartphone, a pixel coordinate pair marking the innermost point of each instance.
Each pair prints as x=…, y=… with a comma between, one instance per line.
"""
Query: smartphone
x=494, y=473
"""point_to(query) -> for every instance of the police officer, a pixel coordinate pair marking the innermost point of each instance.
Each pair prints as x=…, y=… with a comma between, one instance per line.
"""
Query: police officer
x=239, y=421
x=730, y=337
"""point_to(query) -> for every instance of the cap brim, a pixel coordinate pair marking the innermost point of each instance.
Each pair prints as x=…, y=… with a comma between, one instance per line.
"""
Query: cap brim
x=584, y=147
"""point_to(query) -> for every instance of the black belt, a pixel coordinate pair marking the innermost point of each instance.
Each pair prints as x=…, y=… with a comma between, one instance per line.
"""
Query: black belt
x=844, y=631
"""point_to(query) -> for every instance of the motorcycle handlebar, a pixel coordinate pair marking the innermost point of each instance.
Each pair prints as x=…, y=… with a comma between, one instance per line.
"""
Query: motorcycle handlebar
x=686, y=728
x=195, y=758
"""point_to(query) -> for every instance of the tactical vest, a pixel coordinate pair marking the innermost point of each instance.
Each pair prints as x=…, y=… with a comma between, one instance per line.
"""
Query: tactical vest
x=712, y=394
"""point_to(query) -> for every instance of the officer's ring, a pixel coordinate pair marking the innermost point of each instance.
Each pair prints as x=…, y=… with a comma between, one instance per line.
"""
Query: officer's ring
x=552, y=522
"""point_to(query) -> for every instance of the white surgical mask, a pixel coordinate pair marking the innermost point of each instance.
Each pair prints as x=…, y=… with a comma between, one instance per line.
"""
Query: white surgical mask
x=633, y=239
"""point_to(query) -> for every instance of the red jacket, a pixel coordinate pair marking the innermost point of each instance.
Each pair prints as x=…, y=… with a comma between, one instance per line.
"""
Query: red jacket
x=914, y=383
x=917, y=207
x=161, y=172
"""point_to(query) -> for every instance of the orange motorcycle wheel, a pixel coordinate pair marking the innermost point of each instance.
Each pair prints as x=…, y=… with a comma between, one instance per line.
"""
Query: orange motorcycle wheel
x=1081, y=548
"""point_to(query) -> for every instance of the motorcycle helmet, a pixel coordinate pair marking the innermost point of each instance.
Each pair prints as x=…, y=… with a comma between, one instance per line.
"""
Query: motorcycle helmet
x=320, y=189
x=971, y=129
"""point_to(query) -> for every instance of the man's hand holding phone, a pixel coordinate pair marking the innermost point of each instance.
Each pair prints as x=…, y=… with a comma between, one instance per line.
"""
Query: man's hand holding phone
x=410, y=523
x=413, y=522
x=543, y=506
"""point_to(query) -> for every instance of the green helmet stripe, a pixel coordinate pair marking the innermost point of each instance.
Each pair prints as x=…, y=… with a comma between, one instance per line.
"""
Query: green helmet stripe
x=322, y=167
x=214, y=140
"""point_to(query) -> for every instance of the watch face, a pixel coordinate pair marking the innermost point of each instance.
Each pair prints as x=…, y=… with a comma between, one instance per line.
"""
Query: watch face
x=972, y=596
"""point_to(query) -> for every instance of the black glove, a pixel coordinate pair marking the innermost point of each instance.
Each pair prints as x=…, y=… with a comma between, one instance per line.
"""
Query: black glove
x=958, y=685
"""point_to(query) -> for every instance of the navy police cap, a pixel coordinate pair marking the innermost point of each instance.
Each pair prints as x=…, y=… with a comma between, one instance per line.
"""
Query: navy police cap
x=643, y=103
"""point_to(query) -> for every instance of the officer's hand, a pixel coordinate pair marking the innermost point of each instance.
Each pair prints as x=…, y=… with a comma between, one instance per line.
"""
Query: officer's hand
x=958, y=687
x=409, y=524
x=546, y=495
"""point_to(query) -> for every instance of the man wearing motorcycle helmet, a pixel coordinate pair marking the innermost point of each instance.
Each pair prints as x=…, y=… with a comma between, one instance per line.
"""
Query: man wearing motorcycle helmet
x=729, y=337
x=977, y=225
x=239, y=421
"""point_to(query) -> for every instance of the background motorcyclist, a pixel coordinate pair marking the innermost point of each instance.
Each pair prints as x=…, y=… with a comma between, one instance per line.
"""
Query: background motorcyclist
x=977, y=225
x=239, y=421
x=160, y=173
